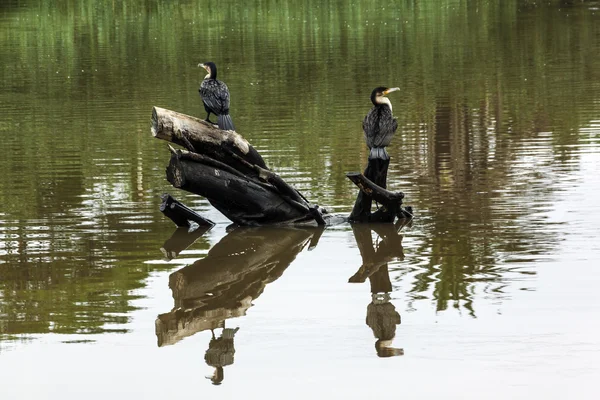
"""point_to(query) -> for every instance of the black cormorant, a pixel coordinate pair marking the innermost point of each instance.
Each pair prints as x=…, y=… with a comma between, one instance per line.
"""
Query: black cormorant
x=380, y=125
x=215, y=96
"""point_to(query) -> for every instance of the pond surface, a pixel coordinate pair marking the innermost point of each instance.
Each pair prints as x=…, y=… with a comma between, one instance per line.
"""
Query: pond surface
x=495, y=281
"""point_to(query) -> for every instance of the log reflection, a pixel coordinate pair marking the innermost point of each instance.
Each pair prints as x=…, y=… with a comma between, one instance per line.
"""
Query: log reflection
x=382, y=316
x=180, y=240
x=224, y=283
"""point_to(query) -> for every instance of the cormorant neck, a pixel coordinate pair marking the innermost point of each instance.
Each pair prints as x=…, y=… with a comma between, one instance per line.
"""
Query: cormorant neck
x=381, y=100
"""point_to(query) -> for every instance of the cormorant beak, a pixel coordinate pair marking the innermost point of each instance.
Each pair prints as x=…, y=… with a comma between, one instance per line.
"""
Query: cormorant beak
x=202, y=65
x=394, y=89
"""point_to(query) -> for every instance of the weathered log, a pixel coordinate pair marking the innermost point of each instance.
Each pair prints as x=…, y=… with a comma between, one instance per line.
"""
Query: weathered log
x=242, y=200
x=375, y=172
x=205, y=138
x=181, y=214
x=390, y=202
x=263, y=177
x=223, y=284
x=223, y=167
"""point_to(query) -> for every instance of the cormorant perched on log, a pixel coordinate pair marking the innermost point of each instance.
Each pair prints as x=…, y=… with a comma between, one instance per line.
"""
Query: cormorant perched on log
x=380, y=125
x=215, y=96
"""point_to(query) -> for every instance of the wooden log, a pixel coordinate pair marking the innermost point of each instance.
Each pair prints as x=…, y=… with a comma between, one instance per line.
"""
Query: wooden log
x=180, y=214
x=243, y=200
x=229, y=172
x=204, y=138
x=375, y=172
x=390, y=202
x=262, y=177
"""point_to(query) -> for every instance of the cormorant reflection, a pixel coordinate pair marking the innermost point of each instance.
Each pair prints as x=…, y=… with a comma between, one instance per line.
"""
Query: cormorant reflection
x=220, y=353
x=382, y=316
x=223, y=285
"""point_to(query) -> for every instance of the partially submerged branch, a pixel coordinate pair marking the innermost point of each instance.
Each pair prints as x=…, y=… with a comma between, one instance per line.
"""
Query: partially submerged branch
x=223, y=167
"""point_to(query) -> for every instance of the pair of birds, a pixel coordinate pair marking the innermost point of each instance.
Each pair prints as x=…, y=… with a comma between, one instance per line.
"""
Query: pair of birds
x=379, y=125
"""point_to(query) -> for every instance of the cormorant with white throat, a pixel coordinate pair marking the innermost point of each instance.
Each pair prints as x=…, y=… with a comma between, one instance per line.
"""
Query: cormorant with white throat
x=380, y=125
x=215, y=96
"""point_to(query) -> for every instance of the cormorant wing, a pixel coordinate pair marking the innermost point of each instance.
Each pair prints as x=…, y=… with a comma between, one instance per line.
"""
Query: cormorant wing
x=215, y=94
x=388, y=127
x=379, y=126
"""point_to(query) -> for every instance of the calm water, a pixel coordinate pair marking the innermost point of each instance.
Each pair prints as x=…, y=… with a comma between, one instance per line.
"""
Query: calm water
x=498, y=151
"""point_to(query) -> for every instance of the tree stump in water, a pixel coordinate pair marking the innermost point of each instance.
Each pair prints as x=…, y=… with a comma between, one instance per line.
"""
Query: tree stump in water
x=223, y=167
x=372, y=185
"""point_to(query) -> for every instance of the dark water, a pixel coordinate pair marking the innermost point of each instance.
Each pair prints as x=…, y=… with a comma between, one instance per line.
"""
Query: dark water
x=498, y=151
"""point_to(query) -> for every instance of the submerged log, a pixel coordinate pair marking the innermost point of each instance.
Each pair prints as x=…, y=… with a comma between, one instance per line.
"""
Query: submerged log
x=180, y=214
x=244, y=201
x=390, y=202
x=376, y=172
x=223, y=167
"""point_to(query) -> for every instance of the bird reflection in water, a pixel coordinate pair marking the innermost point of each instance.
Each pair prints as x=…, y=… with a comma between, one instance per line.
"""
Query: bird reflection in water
x=382, y=316
x=223, y=285
x=220, y=353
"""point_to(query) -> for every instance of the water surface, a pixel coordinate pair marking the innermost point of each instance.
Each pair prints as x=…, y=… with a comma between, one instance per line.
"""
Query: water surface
x=489, y=293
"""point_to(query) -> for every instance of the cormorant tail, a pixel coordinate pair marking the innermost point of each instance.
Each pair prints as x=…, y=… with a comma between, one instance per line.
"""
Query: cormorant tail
x=224, y=121
x=378, y=152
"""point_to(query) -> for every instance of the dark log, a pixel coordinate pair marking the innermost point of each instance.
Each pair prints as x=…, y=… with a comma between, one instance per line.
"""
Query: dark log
x=263, y=177
x=390, y=202
x=223, y=167
x=204, y=138
x=224, y=283
x=375, y=172
x=242, y=200
x=180, y=214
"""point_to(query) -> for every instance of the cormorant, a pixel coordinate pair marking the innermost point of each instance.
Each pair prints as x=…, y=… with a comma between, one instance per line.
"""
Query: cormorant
x=215, y=96
x=380, y=125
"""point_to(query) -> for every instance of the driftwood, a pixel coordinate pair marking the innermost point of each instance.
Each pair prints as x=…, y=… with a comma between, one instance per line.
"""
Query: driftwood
x=243, y=200
x=223, y=284
x=202, y=137
x=390, y=202
x=223, y=167
x=376, y=174
x=181, y=214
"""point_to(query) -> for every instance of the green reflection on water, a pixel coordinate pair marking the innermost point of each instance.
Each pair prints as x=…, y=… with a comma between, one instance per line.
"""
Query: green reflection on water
x=494, y=95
